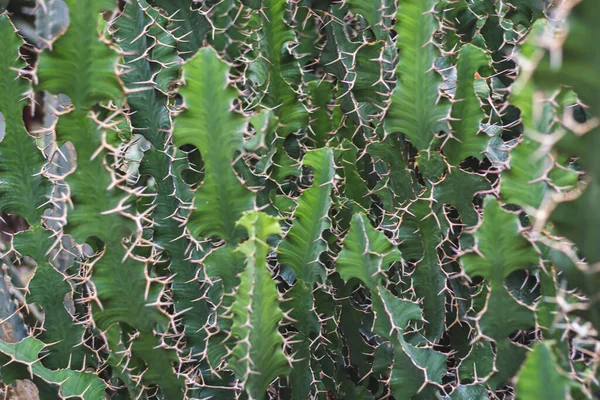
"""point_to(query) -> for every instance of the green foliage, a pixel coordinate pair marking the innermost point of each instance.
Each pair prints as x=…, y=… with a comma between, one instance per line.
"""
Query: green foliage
x=301, y=199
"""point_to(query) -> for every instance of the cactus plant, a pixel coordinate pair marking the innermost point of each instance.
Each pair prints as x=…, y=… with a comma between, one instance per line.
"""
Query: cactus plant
x=299, y=199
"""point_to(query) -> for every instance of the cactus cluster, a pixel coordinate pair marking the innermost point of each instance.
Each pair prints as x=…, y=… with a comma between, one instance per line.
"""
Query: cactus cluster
x=299, y=199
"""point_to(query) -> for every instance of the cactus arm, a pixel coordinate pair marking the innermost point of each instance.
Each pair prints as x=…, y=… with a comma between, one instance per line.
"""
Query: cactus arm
x=377, y=13
x=576, y=216
x=303, y=244
x=25, y=191
x=429, y=278
x=186, y=23
x=416, y=109
x=355, y=187
x=528, y=180
x=478, y=364
x=397, y=184
x=150, y=117
x=158, y=366
x=369, y=80
x=102, y=209
x=457, y=189
x=500, y=252
x=59, y=70
x=275, y=70
x=208, y=124
x=468, y=139
x=59, y=325
x=48, y=289
x=366, y=255
x=301, y=249
x=498, y=262
x=574, y=69
x=322, y=125
x=23, y=188
x=69, y=383
x=539, y=378
x=257, y=358
x=86, y=83
x=364, y=70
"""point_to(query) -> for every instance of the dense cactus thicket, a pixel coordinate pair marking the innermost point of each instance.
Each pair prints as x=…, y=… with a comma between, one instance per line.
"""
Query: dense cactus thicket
x=299, y=199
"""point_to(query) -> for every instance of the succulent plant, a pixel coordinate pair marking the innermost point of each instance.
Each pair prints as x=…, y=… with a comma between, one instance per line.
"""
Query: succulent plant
x=299, y=199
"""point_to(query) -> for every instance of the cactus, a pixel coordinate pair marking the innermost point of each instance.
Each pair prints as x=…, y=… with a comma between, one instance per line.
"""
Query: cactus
x=540, y=361
x=63, y=382
x=301, y=250
x=25, y=192
x=417, y=107
x=257, y=357
x=299, y=199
